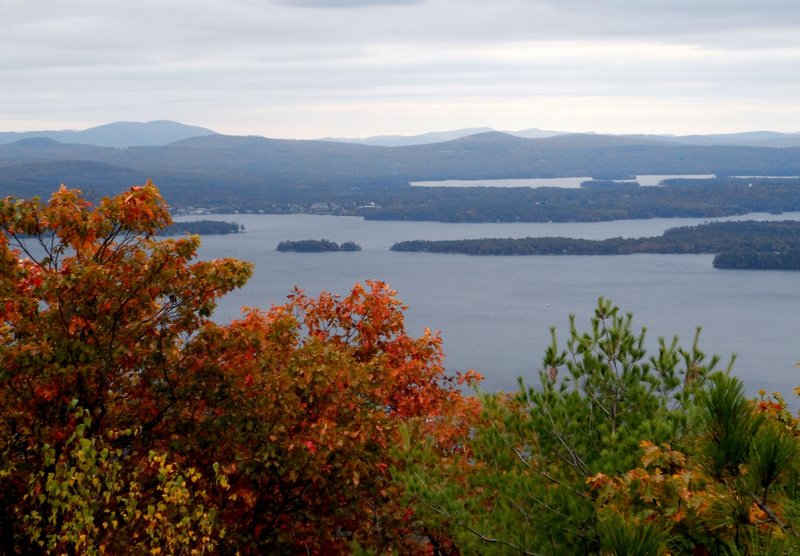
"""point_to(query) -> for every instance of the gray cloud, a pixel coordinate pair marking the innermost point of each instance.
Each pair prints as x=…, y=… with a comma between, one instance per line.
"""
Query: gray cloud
x=260, y=66
x=347, y=3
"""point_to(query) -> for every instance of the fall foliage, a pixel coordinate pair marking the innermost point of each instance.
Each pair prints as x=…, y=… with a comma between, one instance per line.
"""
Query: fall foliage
x=130, y=417
x=618, y=452
x=132, y=423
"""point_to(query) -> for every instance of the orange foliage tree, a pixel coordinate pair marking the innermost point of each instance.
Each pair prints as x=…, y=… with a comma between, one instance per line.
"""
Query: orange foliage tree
x=130, y=421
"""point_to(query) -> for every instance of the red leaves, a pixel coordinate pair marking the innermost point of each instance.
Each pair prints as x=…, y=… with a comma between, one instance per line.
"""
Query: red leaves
x=329, y=381
x=310, y=446
x=46, y=392
x=291, y=416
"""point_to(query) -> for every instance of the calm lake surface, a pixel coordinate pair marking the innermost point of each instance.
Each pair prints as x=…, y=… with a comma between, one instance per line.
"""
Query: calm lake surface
x=494, y=313
x=648, y=180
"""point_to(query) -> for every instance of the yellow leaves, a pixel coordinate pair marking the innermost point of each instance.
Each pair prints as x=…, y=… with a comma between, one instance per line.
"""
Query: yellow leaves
x=598, y=481
x=221, y=476
x=663, y=456
x=653, y=492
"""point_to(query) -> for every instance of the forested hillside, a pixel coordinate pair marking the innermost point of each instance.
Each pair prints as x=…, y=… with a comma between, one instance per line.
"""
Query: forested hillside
x=745, y=244
x=229, y=173
x=132, y=423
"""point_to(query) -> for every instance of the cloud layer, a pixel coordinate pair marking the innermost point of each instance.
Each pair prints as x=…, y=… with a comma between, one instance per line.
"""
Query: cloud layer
x=311, y=68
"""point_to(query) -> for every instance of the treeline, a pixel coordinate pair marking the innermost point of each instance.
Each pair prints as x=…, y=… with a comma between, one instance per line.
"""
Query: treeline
x=133, y=423
x=390, y=197
x=317, y=246
x=701, y=198
x=748, y=244
x=609, y=185
x=786, y=260
x=202, y=227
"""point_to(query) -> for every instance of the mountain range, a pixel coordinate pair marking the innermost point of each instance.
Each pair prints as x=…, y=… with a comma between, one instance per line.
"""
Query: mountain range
x=163, y=132
x=211, y=169
x=441, y=136
x=117, y=134
x=748, y=138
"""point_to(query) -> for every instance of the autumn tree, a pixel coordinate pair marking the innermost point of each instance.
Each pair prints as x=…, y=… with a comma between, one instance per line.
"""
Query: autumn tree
x=618, y=453
x=732, y=490
x=520, y=484
x=132, y=422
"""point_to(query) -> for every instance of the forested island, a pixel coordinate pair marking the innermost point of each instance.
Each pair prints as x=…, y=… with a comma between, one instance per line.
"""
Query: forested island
x=202, y=227
x=747, y=244
x=317, y=246
x=678, y=198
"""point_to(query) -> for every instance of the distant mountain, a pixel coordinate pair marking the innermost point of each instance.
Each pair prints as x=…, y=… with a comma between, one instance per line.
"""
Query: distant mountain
x=438, y=137
x=407, y=140
x=748, y=138
x=535, y=133
x=117, y=134
x=217, y=169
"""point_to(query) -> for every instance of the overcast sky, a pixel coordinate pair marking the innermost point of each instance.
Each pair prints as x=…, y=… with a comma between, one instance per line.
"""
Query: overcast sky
x=355, y=68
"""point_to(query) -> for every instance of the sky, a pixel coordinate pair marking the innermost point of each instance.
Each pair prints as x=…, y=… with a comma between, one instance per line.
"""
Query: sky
x=356, y=68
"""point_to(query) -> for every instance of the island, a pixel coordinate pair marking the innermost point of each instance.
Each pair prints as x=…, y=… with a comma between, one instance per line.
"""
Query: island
x=745, y=244
x=317, y=246
x=202, y=227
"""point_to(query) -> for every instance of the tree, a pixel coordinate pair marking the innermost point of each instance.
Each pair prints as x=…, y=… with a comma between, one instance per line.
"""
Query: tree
x=734, y=490
x=132, y=422
x=95, y=320
x=520, y=484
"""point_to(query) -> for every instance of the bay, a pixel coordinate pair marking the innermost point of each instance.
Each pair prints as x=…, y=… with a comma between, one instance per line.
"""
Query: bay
x=647, y=180
x=494, y=313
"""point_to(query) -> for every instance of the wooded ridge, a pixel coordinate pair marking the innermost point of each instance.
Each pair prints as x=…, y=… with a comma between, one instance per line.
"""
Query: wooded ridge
x=229, y=173
x=739, y=244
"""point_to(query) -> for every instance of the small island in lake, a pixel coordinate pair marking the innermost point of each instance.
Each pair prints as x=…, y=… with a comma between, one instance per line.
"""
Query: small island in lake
x=317, y=246
x=202, y=227
x=745, y=245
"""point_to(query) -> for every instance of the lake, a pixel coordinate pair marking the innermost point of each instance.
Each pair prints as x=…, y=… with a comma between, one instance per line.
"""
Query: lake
x=494, y=313
x=648, y=180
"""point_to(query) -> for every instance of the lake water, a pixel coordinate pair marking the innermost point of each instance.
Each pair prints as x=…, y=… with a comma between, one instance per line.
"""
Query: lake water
x=494, y=313
x=648, y=180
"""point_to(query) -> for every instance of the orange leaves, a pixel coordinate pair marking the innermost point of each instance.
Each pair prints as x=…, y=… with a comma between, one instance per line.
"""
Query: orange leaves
x=288, y=418
x=775, y=406
x=328, y=381
x=368, y=324
x=141, y=210
x=98, y=319
x=662, y=489
x=470, y=377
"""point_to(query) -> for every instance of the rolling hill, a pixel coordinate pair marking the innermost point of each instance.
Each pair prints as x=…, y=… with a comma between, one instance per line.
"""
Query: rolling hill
x=209, y=170
x=117, y=134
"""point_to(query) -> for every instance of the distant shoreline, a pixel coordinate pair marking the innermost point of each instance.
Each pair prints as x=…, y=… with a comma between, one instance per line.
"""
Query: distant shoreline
x=746, y=244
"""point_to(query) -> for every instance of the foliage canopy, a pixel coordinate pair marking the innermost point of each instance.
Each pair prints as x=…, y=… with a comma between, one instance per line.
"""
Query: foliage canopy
x=131, y=422
x=129, y=416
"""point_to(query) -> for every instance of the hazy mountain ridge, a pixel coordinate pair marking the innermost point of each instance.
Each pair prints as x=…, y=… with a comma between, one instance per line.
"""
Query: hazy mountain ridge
x=216, y=170
x=406, y=140
x=490, y=155
x=116, y=134
x=747, y=138
x=163, y=132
